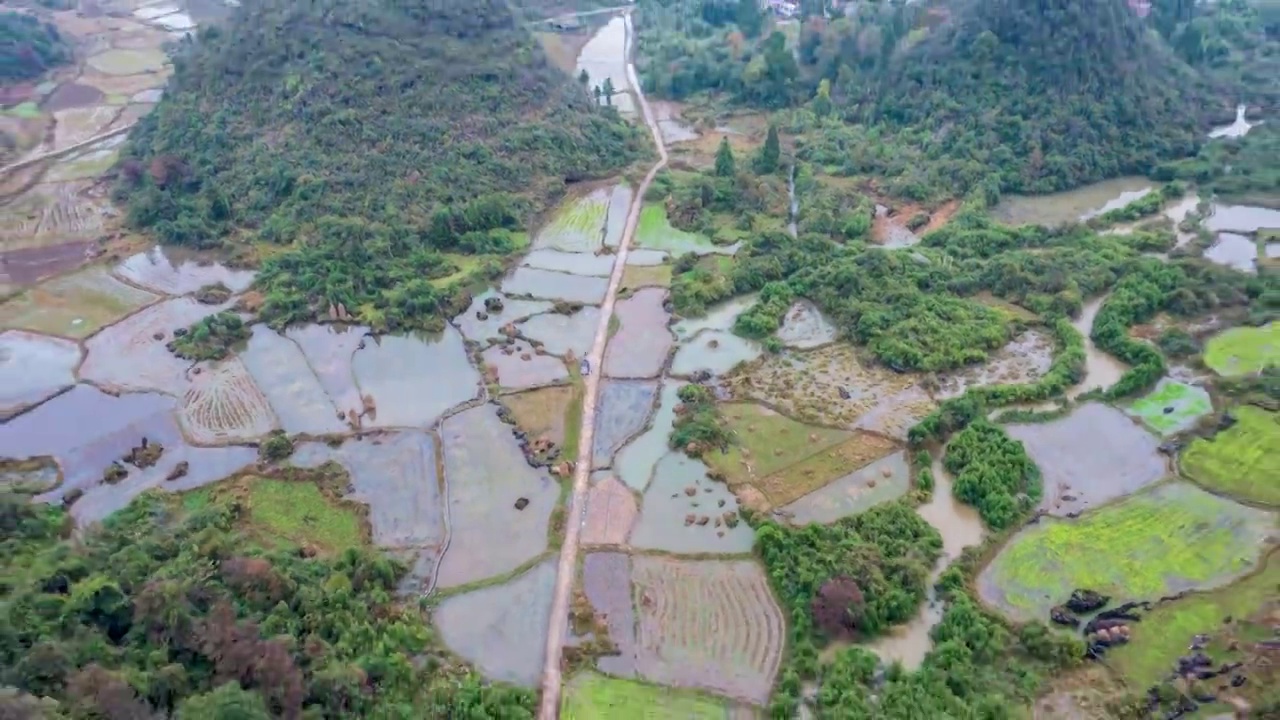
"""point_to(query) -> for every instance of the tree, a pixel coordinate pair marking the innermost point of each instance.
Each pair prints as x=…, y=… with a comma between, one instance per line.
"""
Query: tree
x=725, y=164
x=228, y=702
x=584, y=78
x=821, y=104
x=750, y=17
x=607, y=91
x=838, y=606
x=767, y=160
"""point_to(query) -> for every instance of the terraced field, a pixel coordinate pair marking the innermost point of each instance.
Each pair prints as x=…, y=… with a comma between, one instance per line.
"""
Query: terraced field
x=711, y=625
x=224, y=404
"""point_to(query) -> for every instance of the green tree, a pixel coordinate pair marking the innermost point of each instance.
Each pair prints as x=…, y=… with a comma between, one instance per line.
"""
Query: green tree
x=767, y=160
x=725, y=164
x=750, y=17
x=821, y=104
x=584, y=78
x=607, y=91
x=228, y=702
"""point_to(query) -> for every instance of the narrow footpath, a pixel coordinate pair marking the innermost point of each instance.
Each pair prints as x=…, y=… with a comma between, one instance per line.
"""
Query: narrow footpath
x=552, y=683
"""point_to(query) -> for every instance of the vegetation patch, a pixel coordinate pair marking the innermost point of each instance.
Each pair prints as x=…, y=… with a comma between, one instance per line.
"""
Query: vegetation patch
x=888, y=478
x=1242, y=461
x=29, y=47
x=591, y=696
x=1172, y=538
x=993, y=473
x=656, y=233
x=1244, y=350
x=766, y=442
x=301, y=510
x=212, y=338
x=542, y=413
x=699, y=426
x=635, y=277
x=578, y=225
x=824, y=466
x=73, y=306
x=1172, y=407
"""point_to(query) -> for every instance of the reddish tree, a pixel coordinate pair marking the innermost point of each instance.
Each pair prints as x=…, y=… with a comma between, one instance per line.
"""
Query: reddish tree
x=106, y=695
x=838, y=606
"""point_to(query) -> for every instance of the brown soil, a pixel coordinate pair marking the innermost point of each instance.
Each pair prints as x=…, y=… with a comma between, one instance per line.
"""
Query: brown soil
x=541, y=413
x=30, y=265
x=71, y=95
x=611, y=511
x=900, y=214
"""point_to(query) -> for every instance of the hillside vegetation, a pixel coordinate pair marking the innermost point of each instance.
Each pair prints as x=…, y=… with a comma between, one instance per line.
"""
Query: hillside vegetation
x=29, y=47
x=373, y=137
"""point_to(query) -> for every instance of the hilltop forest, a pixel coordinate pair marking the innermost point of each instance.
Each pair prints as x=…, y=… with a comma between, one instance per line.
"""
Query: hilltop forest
x=390, y=146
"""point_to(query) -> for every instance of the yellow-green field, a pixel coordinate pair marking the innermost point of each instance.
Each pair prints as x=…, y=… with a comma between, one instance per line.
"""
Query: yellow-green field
x=590, y=696
x=1242, y=461
x=1244, y=350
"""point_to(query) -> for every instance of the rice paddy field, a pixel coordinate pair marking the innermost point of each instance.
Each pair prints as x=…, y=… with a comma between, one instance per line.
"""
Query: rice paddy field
x=1244, y=350
x=1169, y=539
x=1172, y=407
x=592, y=696
x=1242, y=460
x=655, y=233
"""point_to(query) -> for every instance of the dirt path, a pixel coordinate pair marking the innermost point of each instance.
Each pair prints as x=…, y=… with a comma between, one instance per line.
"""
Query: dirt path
x=549, y=708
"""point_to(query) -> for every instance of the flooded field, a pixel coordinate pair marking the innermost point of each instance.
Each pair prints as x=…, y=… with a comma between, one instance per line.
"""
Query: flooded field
x=640, y=347
x=606, y=581
x=1101, y=369
x=483, y=324
x=577, y=263
x=487, y=477
x=805, y=327
x=517, y=366
x=1244, y=350
x=622, y=411
x=1025, y=359
x=611, y=513
x=655, y=233
x=713, y=351
x=292, y=388
x=33, y=368
x=635, y=463
x=711, y=625
x=1172, y=407
x=329, y=350
x=604, y=58
x=886, y=479
x=551, y=285
x=562, y=334
x=1073, y=205
x=501, y=629
x=1234, y=251
x=75, y=305
x=684, y=511
x=1090, y=457
x=1172, y=538
x=389, y=370
x=578, y=226
x=1239, y=461
x=131, y=355
x=171, y=272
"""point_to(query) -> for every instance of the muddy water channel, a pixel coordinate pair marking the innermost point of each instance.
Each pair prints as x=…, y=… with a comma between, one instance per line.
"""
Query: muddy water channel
x=1073, y=205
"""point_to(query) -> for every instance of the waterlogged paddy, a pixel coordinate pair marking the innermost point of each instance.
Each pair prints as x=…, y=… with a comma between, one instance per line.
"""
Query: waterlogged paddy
x=604, y=57
x=640, y=347
x=1240, y=461
x=578, y=225
x=516, y=365
x=414, y=380
x=1026, y=358
x=635, y=462
x=719, y=317
x=487, y=474
x=886, y=479
x=621, y=412
x=131, y=355
x=33, y=368
x=684, y=511
x=502, y=629
x=713, y=351
x=170, y=272
x=551, y=285
x=1241, y=218
x=74, y=306
x=606, y=581
x=1172, y=538
x=562, y=334
x=480, y=325
x=329, y=350
x=292, y=389
x=611, y=513
x=1172, y=407
x=1094, y=455
x=1073, y=205
x=1244, y=350
x=805, y=327
x=655, y=233
x=1234, y=251
x=577, y=263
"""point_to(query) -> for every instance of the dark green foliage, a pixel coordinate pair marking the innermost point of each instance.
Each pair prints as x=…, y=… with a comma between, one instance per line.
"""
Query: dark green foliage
x=29, y=47
x=419, y=127
x=770, y=152
x=725, y=165
x=1177, y=344
x=1241, y=168
x=993, y=473
x=164, y=609
x=764, y=318
x=275, y=448
x=1145, y=206
x=698, y=426
x=212, y=338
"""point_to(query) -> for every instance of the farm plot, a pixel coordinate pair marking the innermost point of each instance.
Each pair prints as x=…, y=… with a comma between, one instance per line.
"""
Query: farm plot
x=77, y=125
x=131, y=355
x=28, y=266
x=622, y=411
x=294, y=512
x=591, y=696
x=635, y=462
x=33, y=368
x=684, y=511
x=281, y=372
x=578, y=226
x=711, y=625
x=1244, y=350
x=805, y=327
x=482, y=325
x=517, y=365
x=635, y=277
x=170, y=273
x=502, y=629
x=390, y=371
x=493, y=532
x=719, y=317
x=89, y=163
x=713, y=351
x=550, y=285
x=542, y=413
x=1242, y=461
x=223, y=404
x=1090, y=457
x=606, y=581
x=395, y=475
x=883, y=480
x=53, y=214
x=1172, y=538
x=611, y=511
x=619, y=206
x=1023, y=360
x=640, y=347
x=656, y=233
x=69, y=95
x=561, y=334
x=574, y=263
x=828, y=386
x=128, y=62
x=329, y=350
x=73, y=306
x=1172, y=407
x=768, y=442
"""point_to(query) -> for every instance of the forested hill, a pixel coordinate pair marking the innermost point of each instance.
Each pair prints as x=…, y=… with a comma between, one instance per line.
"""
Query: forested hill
x=1058, y=92
x=385, y=110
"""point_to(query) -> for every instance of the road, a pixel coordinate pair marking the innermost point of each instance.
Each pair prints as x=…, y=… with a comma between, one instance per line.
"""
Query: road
x=559, y=621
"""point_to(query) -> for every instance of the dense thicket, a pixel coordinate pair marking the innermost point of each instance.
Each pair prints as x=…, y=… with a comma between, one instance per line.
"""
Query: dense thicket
x=29, y=47
x=163, y=611
x=993, y=473
x=415, y=127
x=1242, y=169
x=698, y=426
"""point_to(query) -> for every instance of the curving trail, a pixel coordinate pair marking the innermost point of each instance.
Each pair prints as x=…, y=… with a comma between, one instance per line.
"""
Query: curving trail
x=549, y=708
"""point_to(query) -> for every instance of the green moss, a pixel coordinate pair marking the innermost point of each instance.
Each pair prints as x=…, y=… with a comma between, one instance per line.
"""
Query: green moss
x=655, y=232
x=1172, y=538
x=1244, y=350
x=592, y=696
x=1242, y=461
x=300, y=513
x=1162, y=636
x=1185, y=403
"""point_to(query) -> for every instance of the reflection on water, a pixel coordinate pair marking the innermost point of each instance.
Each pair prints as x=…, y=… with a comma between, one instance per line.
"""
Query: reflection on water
x=1073, y=205
x=1241, y=218
x=1234, y=251
x=605, y=57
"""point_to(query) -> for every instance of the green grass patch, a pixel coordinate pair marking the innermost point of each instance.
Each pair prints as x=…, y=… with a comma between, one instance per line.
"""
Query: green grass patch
x=1172, y=407
x=592, y=696
x=655, y=232
x=1164, y=633
x=1174, y=537
x=767, y=442
x=573, y=416
x=1242, y=461
x=299, y=513
x=27, y=111
x=635, y=277
x=578, y=225
x=1244, y=350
